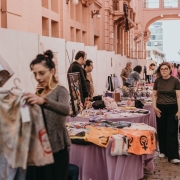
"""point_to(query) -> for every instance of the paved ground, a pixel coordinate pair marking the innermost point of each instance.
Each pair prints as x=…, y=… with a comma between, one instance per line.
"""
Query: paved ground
x=163, y=170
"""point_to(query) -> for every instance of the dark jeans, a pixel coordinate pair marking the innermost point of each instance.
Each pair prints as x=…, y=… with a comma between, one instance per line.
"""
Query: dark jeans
x=73, y=172
x=167, y=129
x=147, y=78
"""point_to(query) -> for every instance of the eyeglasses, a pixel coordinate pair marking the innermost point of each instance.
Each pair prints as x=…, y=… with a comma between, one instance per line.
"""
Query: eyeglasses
x=164, y=69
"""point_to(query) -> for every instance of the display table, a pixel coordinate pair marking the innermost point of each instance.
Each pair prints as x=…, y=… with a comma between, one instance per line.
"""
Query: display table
x=152, y=118
x=96, y=163
x=141, y=118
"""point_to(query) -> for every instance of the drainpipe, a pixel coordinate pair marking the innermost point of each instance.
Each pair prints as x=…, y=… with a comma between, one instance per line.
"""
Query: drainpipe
x=107, y=25
x=3, y=12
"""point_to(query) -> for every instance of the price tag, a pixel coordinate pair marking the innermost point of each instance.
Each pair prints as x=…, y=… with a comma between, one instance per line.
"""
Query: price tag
x=24, y=110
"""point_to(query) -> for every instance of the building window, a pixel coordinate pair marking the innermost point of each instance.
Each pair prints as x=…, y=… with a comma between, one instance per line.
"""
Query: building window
x=96, y=40
x=45, y=26
x=54, y=29
x=151, y=4
x=55, y=5
x=153, y=37
x=148, y=53
x=72, y=34
x=84, y=37
x=170, y=3
x=78, y=35
x=45, y=3
x=115, y=5
x=72, y=10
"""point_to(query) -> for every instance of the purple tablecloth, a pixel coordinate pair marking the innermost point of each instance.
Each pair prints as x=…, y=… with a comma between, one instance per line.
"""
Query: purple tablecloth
x=96, y=163
x=152, y=118
x=135, y=119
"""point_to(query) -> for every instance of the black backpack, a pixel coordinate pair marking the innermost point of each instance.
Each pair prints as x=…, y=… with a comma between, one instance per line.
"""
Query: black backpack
x=98, y=104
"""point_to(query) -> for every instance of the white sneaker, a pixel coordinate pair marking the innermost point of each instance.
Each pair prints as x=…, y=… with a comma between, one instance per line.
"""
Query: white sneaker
x=175, y=161
x=161, y=155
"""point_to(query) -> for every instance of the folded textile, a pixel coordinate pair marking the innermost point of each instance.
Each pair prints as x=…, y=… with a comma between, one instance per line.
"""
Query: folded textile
x=141, y=126
x=140, y=141
x=100, y=135
x=109, y=103
x=119, y=145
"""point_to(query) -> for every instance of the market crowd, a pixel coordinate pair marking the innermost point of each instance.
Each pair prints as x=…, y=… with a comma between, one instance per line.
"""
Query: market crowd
x=52, y=162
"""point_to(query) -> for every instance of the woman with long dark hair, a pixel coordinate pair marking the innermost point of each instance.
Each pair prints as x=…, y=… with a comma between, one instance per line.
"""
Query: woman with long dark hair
x=134, y=76
x=166, y=104
x=54, y=100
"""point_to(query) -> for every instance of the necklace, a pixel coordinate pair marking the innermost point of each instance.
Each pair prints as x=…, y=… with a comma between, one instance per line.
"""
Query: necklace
x=52, y=88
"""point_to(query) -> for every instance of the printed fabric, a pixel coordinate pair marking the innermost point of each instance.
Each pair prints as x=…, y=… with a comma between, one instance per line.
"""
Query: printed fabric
x=140, y=141
x=100, y=136
x=22, y=143
x=119, y=145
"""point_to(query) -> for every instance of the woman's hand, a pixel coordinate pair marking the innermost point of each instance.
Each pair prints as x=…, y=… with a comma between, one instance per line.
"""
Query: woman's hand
x=34, y=99
x=157, y=111
x=178, y=115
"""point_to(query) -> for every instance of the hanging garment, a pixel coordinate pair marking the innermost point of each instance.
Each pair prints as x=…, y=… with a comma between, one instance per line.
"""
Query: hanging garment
x=116, y=82
x=5, y=72
x=109, y=84
x=21, y=142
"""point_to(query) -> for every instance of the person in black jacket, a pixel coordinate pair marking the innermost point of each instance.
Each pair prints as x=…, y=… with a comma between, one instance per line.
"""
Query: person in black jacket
x=76, y=66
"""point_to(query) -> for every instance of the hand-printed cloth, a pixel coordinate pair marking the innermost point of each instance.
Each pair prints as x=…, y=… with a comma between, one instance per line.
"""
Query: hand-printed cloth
x=140, y=141
x=22, y=143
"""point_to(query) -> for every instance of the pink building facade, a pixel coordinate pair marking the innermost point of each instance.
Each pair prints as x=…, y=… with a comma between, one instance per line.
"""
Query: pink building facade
x=80, y=23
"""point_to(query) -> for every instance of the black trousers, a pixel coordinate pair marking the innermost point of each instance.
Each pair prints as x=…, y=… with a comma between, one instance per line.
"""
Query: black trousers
x=56, y=171
x=167, y=129
x=147, y=78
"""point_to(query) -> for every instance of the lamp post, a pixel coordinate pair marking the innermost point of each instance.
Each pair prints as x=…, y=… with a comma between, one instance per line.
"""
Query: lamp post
x=75, y=2
x=95, y=12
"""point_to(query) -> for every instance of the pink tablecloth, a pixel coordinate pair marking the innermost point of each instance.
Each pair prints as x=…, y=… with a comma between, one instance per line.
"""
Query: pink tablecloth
x=96, y=163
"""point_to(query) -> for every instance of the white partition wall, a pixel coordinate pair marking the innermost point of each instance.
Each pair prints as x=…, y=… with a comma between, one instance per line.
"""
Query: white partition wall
x=134, y=62
x=101, y=72
x=110, y=60
x=92, y=54
x=27, y=51
x=71, y=48
x=18, y=49
x=9, y=52
x=58, y=47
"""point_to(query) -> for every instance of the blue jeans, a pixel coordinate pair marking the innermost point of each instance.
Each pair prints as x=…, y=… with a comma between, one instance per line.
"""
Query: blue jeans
x=8, y=173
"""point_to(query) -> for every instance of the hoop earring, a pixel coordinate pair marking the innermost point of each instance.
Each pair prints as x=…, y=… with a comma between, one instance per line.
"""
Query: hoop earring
x=49, y=84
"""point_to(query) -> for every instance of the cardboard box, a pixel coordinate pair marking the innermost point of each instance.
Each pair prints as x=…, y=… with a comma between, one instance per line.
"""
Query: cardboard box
x=114, y=95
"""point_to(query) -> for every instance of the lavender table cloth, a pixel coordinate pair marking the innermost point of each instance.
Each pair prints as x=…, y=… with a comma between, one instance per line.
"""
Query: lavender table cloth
x=152, y=117
x=143, y=118
x=96, y=163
